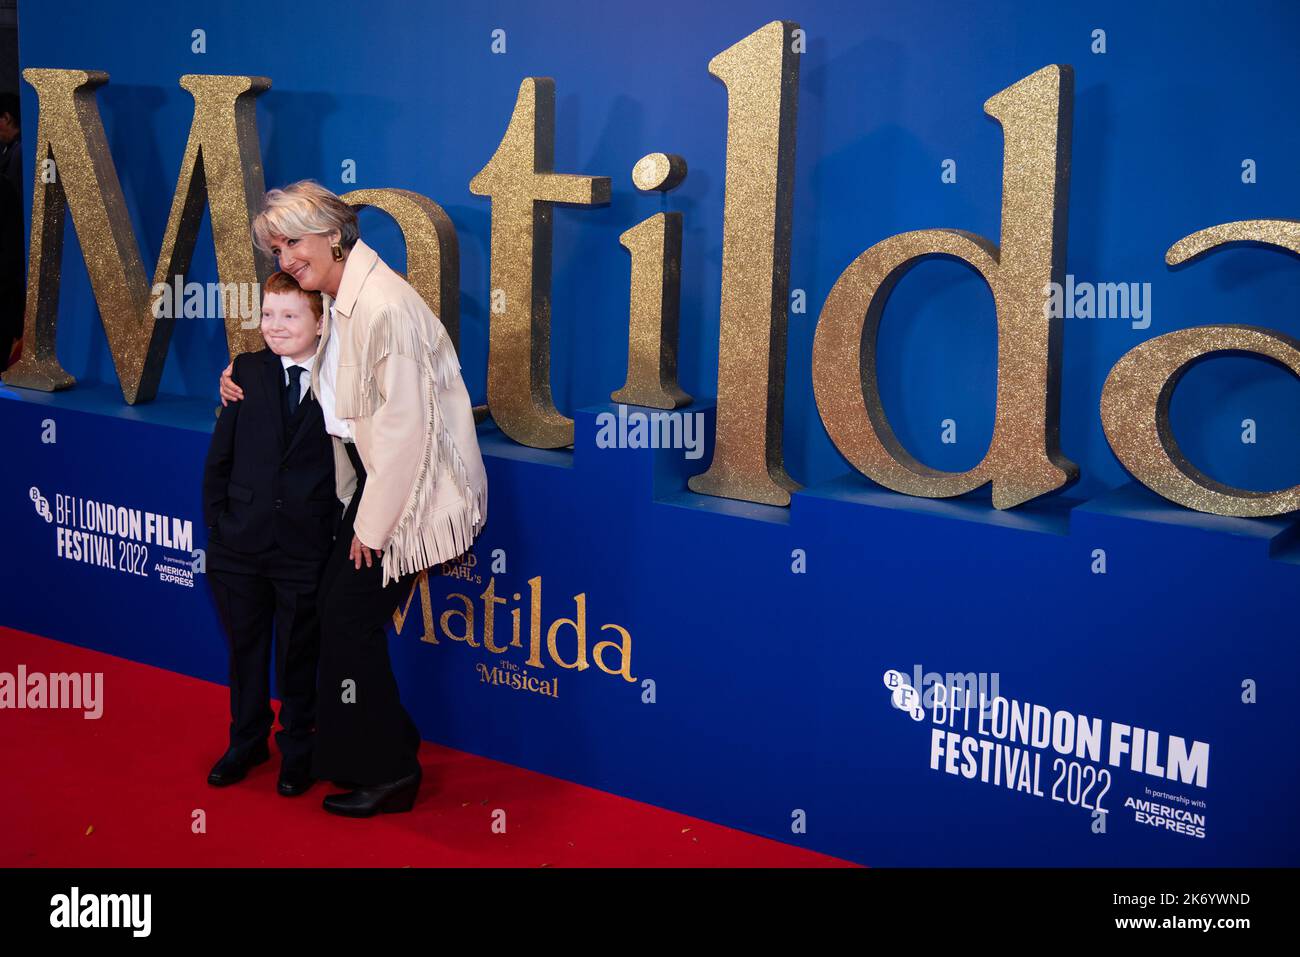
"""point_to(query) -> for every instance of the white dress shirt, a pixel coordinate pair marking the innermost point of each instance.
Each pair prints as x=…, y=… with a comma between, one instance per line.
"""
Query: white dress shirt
x=329, y=374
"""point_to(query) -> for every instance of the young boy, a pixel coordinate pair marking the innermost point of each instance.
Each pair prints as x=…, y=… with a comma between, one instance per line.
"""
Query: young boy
x=270, y=507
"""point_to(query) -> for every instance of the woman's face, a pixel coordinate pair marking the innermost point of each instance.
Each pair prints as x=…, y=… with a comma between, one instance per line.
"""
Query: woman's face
x=309, y=260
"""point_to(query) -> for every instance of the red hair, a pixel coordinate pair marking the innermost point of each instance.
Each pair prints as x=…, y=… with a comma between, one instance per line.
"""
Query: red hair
x=283, y=282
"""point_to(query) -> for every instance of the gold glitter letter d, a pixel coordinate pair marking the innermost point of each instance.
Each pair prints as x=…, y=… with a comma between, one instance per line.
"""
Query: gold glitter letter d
x=1024, y=459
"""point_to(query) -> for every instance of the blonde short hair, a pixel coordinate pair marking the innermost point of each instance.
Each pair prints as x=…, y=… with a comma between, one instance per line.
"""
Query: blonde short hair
x=303, y=208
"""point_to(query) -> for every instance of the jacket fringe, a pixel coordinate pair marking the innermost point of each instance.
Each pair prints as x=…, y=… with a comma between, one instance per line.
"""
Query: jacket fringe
x=450, y=532
x=397, y=332
x=420, y=540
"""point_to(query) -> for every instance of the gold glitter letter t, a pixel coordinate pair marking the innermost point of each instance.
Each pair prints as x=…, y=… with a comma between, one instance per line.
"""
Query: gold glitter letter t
x=520, y=180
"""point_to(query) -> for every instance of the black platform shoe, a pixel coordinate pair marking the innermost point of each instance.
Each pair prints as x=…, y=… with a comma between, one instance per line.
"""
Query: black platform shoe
x=295, y=779
x=392, y=798
x=233, y=767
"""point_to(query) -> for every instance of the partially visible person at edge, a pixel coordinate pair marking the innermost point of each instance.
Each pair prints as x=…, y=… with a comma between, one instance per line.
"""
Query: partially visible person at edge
x=13, y=264
x=407, y=466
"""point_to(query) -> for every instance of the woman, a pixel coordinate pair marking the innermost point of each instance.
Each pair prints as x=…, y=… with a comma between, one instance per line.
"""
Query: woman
x=407, y=464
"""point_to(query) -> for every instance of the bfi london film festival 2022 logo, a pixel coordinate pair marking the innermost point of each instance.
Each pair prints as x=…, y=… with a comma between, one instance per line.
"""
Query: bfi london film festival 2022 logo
x=132, y=541
x=978, y=734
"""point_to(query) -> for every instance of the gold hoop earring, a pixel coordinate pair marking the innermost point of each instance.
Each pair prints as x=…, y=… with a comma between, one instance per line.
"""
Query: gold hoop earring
x=337, y=252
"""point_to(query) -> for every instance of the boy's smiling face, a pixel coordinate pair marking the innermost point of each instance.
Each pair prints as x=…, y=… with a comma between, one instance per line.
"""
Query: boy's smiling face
x=289, y=326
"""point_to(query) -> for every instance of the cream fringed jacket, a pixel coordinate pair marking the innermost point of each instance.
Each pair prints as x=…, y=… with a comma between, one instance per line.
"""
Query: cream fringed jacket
x=399, y=383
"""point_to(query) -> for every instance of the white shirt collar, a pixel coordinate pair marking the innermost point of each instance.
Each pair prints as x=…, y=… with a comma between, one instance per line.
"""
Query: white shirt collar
x=286, y=362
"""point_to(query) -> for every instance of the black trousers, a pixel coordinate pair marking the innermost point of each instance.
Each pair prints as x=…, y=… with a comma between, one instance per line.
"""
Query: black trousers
x=256, y=596
x=364, y=735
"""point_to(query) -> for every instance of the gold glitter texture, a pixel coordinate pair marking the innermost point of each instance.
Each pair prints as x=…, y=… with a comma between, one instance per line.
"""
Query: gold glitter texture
x=1135, y=415
x=432, y=254
x=656, y=248
x=658, y=171
x=761, y=74
x=1282, y=233
x=523, y=187
x=222, y=166
x=432, y=249
x=1136, y=397
x=1023, y=460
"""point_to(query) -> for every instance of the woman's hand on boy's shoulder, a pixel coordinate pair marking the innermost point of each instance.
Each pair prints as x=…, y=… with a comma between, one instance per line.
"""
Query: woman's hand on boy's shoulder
x=229, y=389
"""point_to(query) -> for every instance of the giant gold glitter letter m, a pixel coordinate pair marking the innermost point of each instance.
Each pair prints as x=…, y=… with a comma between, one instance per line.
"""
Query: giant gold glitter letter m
x=222, y=166
x=1024, y=459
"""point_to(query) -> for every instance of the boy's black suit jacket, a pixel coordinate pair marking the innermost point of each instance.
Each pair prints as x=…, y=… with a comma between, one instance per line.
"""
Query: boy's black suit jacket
x=268, y=481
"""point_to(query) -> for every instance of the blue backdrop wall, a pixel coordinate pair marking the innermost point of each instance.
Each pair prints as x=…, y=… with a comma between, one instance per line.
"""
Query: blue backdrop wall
x=769, y=686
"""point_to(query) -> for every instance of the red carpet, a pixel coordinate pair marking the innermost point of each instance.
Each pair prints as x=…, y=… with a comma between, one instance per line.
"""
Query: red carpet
x=121, y=791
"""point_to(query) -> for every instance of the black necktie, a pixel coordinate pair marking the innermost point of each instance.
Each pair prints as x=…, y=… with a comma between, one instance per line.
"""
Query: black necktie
x=295, y=386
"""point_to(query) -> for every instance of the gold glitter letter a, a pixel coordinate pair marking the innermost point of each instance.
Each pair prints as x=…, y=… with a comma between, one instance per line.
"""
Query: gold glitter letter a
x=1136, y=397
